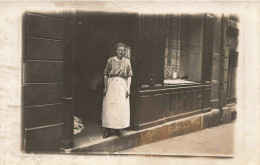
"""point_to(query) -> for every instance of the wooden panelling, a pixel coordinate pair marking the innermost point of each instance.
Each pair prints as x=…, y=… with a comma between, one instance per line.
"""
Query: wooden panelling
x=37, y=116
x=195, y=27
x=37, y=94
x=187, y=101
x=152, y=44
x=207, y=47
x=194, y=56
x=144, y=109
x=174, y=103
x=167, y=103
x=149, y=27
x=68, y=56
x=217, y=34
x=196, y=23
x=43, y=72
x=193, y=100
x=43, y=49
x=206, y=98
x=149, y=48
x=68, y=127
x=161, y=28
x=157, y=106
x=195, y=48
x=175, y=100
x=45, y=27
x=199, y=99
x=44, y=139
x=43, y=81
x=181, y=96
x=148, y=51
x=159, y=63
x=194, y=69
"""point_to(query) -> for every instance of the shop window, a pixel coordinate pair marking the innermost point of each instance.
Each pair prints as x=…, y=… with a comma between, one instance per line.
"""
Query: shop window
x=183, y=49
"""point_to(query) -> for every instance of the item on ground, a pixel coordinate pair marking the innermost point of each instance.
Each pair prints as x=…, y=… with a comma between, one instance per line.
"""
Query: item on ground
x=78, y=126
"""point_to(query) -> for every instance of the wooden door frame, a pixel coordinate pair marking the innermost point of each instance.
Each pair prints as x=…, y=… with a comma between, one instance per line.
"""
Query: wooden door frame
x=69, y=82
x=70, y=75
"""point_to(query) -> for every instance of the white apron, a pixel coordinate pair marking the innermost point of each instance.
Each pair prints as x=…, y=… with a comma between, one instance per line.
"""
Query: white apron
x=116, y=110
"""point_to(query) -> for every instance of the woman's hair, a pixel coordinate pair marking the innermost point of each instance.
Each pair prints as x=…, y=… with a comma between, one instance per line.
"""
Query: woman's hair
x=120, y=44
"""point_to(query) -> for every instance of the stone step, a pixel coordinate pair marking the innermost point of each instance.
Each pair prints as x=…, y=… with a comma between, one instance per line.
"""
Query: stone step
x=132, y=139
x=167, y=130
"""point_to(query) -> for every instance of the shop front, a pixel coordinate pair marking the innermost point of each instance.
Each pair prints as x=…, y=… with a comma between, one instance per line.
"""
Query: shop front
x=173, y=57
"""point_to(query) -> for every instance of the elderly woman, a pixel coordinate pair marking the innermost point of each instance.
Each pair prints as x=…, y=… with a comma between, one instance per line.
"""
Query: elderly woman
x=117, y=81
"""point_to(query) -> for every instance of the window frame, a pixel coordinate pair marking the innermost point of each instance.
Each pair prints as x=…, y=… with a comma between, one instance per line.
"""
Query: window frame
x=206, y=61
x=179, y=41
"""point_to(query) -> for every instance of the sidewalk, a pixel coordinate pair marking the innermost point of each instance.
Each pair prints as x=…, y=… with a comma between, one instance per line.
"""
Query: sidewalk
x=215, y=141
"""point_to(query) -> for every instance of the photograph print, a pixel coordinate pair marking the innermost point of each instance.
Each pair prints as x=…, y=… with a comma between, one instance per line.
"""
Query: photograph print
x=129, y=82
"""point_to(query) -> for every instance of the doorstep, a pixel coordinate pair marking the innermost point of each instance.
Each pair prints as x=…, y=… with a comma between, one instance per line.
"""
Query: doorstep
x=130, y=139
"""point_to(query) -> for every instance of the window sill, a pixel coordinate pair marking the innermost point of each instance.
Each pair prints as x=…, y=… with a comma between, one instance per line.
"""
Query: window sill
x=178, y=81
x=184, y=84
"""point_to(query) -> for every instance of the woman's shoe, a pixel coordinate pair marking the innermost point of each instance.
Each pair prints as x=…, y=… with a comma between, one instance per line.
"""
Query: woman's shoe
x=118, y=133
x=107, y=133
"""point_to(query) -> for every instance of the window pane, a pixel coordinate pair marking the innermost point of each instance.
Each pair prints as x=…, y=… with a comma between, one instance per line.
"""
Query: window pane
x=183, y=49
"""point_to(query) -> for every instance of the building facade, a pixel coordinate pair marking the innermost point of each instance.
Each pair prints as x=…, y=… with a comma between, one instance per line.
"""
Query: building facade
x=184, y=66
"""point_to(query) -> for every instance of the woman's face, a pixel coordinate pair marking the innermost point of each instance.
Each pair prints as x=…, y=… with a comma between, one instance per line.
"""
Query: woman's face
x=120, y=52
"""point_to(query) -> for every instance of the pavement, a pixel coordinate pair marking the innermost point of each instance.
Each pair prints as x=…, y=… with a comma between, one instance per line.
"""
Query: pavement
x=214, y=141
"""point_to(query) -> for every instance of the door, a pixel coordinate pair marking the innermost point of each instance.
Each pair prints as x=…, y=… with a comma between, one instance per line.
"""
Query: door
x=46, y=101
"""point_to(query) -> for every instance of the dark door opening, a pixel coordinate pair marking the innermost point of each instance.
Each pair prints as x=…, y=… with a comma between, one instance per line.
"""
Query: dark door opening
x=95, y=37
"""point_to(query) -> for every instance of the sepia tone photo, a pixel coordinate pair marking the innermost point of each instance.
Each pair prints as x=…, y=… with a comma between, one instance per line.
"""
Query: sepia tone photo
x=103, y=82
x=128, y=79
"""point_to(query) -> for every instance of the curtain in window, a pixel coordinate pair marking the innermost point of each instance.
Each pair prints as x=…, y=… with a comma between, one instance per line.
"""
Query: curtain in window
x=177, y=47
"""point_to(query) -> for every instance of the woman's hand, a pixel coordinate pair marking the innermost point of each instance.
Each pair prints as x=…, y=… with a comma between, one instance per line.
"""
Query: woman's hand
x=127, y=93
x=105, y=85
x=128, y=87
x=104, y=92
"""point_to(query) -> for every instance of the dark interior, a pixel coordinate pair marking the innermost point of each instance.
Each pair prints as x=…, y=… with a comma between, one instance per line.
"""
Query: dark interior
x=95, y=38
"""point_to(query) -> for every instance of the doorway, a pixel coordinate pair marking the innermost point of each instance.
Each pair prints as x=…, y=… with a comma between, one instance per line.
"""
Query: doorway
x=95, y=37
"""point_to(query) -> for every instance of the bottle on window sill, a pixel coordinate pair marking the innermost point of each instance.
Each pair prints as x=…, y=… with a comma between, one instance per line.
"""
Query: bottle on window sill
x=174, y=75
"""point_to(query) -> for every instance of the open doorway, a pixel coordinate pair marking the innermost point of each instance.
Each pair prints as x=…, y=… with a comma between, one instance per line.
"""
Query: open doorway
x=95, y=37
